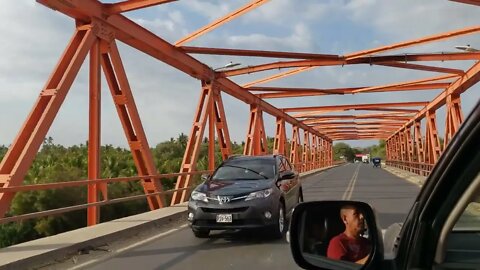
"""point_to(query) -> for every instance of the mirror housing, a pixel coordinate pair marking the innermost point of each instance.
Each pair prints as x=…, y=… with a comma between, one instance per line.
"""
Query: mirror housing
x=287, y=175
x=314, y=224
x=205, y=176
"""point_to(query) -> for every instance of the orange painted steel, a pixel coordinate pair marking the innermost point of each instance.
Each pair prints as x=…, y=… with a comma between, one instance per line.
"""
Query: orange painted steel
x=314, y=109
x=294, y=147
x=333, y=60
x=279, y=143
x=250, y=6
x=306, y=152
x=432, y=148
x=275, y=77
x=100, y=25
x=132, y=126
x=93, y=213
x=21, y=153
x=276, y=92
x=471, y=2
x=356, y=55
x=210, y=107
x=256, y=139
x=442, y=36
x=454, y=117
x=423, y=68
x=131, y=5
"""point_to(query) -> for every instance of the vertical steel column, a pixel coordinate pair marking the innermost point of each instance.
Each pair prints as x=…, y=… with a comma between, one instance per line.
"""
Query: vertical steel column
x=401, y=136
x=313, y=153
x=419, y=146
x=322, y=152
x=432, y=148
x=305, y=151
x=408, y=135
x=256, y=141
x=454, y=117
x=294, y=148
x=223, y=134
x=280, y=137
x=93, y=213
x=131, y=122
x=211, y=134
x=192, y=150
x=21, y=153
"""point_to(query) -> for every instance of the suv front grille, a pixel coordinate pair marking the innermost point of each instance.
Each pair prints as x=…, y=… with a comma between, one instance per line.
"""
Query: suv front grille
x=224, y=210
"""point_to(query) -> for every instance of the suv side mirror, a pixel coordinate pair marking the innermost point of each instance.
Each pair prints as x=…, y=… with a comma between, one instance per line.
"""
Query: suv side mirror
x=205, y=176
x=320, y=230
x=287, y=175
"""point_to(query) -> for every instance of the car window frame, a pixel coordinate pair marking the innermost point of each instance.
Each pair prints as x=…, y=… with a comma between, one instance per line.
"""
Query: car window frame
x=439, y=195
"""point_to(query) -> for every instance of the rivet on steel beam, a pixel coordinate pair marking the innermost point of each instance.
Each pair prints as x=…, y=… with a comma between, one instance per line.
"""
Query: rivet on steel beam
x=49, y=92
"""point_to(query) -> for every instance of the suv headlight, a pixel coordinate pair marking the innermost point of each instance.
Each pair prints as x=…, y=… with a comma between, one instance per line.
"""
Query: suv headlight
x=259, y=194
x=199, y=196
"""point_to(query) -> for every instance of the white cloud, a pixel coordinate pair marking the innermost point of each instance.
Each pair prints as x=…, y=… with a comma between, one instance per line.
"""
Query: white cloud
x=167, y=98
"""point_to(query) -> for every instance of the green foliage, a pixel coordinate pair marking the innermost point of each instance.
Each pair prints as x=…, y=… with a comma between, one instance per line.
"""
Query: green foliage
x=57, y=163
x=343, y=150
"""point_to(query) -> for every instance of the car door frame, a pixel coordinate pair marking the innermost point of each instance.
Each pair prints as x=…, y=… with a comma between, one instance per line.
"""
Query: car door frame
x=418, y=239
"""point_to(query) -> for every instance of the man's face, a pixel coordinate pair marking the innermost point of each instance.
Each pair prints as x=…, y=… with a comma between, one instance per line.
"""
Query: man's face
x=354, y=221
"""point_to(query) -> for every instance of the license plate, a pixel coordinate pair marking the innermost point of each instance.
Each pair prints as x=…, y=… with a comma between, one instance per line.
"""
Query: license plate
x=224, y=218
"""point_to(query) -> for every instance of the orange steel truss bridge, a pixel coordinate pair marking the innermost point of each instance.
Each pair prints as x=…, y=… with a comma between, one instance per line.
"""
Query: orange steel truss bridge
x=411, y=144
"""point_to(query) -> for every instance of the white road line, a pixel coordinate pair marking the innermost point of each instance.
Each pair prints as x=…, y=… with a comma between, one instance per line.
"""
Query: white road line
x=118, y=251
x=348, y=192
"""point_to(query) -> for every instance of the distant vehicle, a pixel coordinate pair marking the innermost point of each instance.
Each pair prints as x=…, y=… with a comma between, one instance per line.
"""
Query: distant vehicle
x=246, y=192
x=376, y=162
x=365, y=158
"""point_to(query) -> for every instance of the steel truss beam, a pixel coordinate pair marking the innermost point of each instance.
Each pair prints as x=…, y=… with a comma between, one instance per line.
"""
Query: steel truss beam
x=21, y=153
x=131, y=122
x=398, y=61
x=376, y=106
x=356, y=55
x=210, y=107
x=278, y=92
x=131, y=5
x=256, y=141
x=250, y=6
x=279, y=144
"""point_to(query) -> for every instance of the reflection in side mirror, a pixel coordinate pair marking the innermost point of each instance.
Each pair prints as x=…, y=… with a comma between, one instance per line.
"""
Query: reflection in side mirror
x=335, y=235
x=205, y=176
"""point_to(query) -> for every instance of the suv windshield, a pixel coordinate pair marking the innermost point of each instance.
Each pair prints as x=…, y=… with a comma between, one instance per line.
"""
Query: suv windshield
x=246, y=169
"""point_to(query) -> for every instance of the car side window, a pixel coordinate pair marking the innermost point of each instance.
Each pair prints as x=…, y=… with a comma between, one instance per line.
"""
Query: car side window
x=280, y=165
x=470, y=218
x=287, y=164
x=463, y=241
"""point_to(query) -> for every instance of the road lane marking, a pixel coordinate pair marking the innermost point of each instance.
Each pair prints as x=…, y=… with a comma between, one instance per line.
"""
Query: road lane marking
x=120, y=250
x=349, y=191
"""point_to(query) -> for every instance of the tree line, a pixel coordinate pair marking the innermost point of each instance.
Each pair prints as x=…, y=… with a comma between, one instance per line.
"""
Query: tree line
x=57, y=163
x=343, y=151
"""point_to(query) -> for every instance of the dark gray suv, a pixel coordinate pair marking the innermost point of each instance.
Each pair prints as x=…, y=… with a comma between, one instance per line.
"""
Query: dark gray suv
x=245, y=192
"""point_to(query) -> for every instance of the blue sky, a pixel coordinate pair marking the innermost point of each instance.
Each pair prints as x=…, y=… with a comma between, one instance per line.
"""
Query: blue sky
x=34, y=36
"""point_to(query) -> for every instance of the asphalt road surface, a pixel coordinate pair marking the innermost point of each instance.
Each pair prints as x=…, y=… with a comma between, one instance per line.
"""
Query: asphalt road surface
x=391, y=196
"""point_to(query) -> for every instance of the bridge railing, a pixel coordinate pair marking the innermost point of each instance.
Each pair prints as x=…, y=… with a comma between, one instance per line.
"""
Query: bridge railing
x=60, y=185
x=67, y=184
x=419, y=168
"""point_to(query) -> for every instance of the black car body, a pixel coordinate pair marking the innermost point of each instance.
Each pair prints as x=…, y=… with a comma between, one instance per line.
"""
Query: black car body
x=245, y=192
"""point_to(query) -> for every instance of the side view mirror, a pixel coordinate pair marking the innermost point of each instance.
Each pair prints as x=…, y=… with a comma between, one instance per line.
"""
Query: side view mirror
x=335, y=235
x=287, y=175
x=205, y=176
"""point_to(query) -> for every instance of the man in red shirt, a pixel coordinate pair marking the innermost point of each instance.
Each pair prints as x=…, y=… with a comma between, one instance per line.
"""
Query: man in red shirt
x=350, y=245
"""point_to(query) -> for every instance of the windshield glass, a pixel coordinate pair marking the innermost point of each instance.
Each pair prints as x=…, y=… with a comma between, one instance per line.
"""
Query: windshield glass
x=247, y=169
